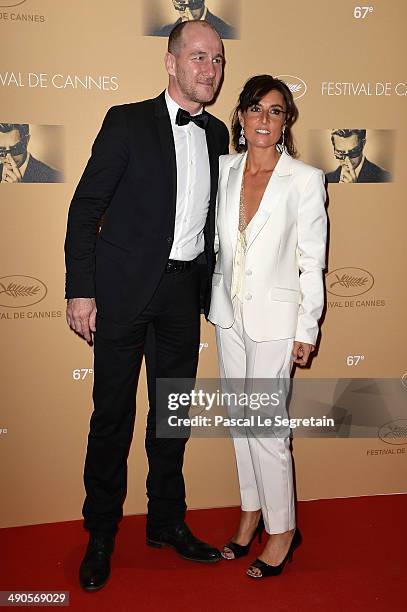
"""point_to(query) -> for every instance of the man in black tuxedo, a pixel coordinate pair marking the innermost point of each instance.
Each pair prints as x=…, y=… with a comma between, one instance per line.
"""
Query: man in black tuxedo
x=196, y=9
x=153, y=176
x=354, y=167
x=17, y=165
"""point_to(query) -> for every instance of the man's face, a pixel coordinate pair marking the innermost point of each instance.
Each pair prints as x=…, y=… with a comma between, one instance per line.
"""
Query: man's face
x=196, y=68
x=12, y=143
x=348, y=149
x=189, y=9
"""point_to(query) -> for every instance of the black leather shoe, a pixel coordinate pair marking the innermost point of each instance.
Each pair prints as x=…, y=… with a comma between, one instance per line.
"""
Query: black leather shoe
x=185, y=543
x=94, y=570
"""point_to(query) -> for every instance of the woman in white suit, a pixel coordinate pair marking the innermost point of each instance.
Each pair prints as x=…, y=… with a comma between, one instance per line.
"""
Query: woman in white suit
x=267, y=297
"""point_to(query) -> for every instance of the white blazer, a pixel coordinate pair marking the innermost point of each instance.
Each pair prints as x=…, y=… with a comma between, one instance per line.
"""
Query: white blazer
x=283, y=291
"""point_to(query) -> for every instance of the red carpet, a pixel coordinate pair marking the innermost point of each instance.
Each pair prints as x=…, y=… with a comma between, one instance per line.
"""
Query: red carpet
x=353, y=557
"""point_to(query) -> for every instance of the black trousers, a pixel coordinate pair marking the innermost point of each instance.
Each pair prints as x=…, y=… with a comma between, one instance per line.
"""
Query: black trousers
x=171, y=325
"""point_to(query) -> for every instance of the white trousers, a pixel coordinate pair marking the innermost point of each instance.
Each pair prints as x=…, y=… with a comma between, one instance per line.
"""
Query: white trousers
x=264, y=464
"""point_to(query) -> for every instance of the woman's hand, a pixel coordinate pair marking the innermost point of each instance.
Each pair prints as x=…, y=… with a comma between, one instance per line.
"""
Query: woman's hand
x=301, y=352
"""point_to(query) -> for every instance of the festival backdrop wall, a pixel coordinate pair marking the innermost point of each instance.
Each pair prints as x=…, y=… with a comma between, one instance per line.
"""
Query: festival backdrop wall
x=63, y=65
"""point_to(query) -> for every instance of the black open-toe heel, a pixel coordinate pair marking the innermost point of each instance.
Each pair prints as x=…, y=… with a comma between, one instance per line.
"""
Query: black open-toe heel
x=241, y=551
x=274, y=570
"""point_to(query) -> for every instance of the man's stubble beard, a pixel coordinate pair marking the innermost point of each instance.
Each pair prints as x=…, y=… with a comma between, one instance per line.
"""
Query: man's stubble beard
x=191, y=92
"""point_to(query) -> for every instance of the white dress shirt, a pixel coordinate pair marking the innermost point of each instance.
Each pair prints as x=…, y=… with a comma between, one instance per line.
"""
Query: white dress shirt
x=24, y=165
x=193, y=186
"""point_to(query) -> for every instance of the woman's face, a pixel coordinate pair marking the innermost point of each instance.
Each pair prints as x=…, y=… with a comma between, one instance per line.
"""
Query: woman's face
x=264, y=122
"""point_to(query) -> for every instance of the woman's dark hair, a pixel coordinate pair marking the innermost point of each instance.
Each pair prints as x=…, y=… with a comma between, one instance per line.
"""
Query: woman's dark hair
x=253, y=91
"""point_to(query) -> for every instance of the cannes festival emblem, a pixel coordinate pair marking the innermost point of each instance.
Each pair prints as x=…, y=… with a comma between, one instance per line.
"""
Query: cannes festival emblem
x=349, y=282
x=297, y=86
x=394, y=432
x=20, y=291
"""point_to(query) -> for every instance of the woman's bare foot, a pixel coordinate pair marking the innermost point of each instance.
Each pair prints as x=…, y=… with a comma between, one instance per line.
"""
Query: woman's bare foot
x=275, y=550
x=249, y=520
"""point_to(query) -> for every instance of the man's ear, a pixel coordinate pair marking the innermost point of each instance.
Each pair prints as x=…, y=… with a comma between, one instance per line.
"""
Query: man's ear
x=170, y=62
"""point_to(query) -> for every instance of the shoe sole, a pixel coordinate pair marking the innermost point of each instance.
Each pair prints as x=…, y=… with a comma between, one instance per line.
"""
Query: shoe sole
x=155, y=544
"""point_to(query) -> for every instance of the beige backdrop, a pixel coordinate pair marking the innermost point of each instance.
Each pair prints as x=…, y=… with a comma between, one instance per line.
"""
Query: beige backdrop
x=44, y=409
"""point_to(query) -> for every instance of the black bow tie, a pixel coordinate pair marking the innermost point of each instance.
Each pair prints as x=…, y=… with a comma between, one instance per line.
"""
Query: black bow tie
x=183, y=118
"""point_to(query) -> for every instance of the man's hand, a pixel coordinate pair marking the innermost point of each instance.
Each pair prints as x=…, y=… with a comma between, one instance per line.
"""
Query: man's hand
x=81, y=316
x=301, y=352
x=348, y=174
x=11, y=173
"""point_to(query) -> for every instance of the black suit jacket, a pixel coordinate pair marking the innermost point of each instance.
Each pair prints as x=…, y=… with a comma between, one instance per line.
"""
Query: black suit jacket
x=223, y=29
x=38, y=172
x=130, y=180
x=369, y=173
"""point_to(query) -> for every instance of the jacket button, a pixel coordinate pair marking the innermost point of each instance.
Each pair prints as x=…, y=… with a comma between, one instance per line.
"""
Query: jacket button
x=249, y=272
x=169, y=239
x=248, y=296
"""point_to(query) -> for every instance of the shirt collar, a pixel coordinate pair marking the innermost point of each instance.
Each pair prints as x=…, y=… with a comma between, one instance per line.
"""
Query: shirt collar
x=173, y=107
x=23, y=166
x=359, y=166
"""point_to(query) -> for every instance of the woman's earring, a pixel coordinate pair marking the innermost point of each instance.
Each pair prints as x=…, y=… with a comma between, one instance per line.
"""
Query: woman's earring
x=281, y=146
x=242, y=139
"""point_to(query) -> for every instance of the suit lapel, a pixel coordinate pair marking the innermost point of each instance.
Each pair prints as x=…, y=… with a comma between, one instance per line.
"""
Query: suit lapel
x=364, y=173
x=272, y=196
x=169, y=163
x=213, y=155
x=27, y=178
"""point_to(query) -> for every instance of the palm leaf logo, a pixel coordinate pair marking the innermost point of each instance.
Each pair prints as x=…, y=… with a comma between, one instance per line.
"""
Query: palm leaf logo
x=14, y=290
x=347, y=280
x=395, y=431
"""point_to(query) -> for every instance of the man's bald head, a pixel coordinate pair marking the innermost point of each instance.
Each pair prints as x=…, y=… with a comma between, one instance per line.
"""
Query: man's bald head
x=195, y=66
x=175, y=39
